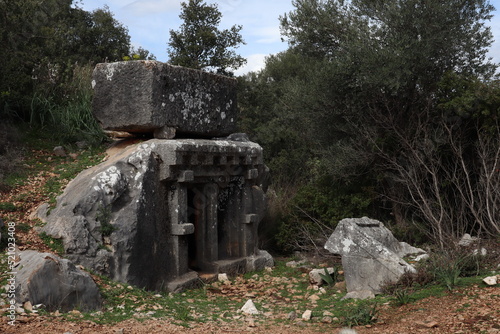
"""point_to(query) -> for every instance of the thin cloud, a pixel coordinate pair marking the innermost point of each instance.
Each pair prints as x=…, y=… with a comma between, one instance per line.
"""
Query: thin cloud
x=255, y=62
x=267, y=35
x=147, y=7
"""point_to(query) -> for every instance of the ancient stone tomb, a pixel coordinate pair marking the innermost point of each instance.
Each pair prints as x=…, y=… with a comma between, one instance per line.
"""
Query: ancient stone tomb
x=159, y=212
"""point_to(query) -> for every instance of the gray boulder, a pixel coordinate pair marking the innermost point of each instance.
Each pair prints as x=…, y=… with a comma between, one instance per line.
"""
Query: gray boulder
x=44, y=278
x=149, y=96
x=155, y=211
x=371, y=255
x=467, y=240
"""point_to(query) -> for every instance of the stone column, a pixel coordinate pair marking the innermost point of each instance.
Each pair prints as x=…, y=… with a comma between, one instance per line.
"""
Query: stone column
x=252, y=204
x=179, y=227
x=211, y=238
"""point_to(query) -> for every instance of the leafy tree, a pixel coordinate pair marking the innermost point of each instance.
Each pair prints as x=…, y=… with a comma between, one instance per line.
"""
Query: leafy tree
x=371, y=101
x=98, y=37
x=200, y=44
x=139, y=54
x=43, y=41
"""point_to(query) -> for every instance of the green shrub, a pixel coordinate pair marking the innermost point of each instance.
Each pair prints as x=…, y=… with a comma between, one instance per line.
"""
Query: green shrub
x=448, y=265
x=23, y=227
x=103, y=216
x=402, y=296
x=332, y=278
x=70, y=118
x=361, y=314
x=313, y=212
x=7, y=206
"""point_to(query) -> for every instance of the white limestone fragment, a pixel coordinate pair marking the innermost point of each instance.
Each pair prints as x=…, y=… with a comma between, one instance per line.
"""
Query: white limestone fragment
x=249, y=308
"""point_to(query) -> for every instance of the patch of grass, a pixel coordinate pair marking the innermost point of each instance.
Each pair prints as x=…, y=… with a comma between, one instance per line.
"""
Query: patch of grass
x=360, y=314
x=332, y=278
x=122, y=302
x=23, y=227
x=463, y=308
x=56, y=245
x=39, y=223
x=38, y=158
x=7, y=207
x=433, y=290
x=53, y=187
x=279, y=291
x=4, y=269
x=402, y=296
x=449, y=266
x=103, y=216
x=68, y=119
x=448, y=275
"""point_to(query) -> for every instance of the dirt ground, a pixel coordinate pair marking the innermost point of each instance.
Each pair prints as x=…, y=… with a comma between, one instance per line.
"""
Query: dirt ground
x=473, y=309
x=470, y=310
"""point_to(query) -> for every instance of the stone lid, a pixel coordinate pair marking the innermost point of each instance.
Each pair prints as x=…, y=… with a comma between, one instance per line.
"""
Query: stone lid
x=144, y=96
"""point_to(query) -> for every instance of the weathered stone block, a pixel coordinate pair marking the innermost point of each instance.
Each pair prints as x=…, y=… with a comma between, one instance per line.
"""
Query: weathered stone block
x=169, y=217
x=44, y=278
x=145, y=96
x=371, y=255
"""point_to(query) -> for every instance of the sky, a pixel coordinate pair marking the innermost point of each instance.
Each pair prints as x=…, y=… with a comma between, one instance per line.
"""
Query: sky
x=149, y=23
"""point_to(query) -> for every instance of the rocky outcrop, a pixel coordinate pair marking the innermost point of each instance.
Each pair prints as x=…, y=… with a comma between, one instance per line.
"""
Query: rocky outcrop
x=371, y=255
x=105, y=210
x=44, y=278
x=150, y=96
x=158, y=212
x=160, y=209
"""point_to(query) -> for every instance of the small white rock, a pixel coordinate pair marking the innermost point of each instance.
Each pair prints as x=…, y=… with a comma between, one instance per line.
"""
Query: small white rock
x=315, y=275
x=491, y=280
x=467, y=240
x=347, y=331
x=59, y=151
x=422, y=257
x=482, y=252
x=295, y=264
x=28, y=306
x=314, y=298
x=249, y=308
x=307, y=315
x=359, y=294
x=222, y=278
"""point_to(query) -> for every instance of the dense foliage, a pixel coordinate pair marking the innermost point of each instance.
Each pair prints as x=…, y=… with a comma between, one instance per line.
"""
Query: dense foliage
x=200, y=44
x=393, y=96
x=45, y=43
